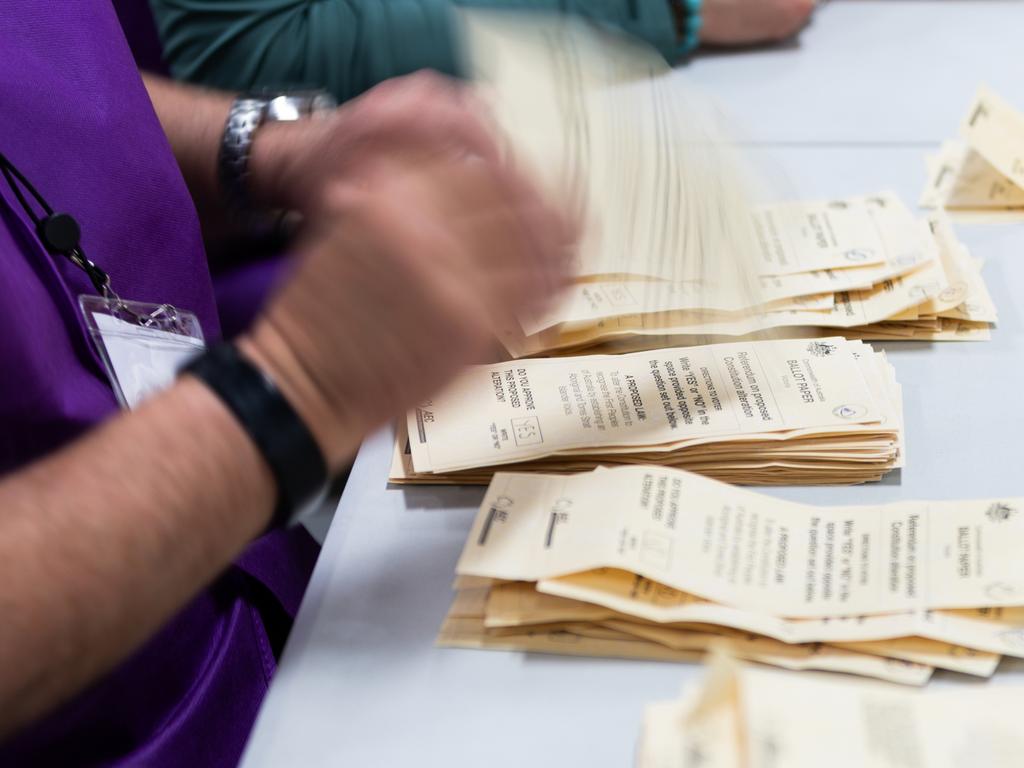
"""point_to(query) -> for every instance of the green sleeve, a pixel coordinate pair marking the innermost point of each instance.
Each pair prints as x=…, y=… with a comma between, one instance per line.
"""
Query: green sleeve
x=347, y=46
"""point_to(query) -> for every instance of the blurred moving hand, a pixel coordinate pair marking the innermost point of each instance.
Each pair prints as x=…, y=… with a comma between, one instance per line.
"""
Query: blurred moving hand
x=415, y=256
x=746, y=22
x=421, y=240
x=295, y=163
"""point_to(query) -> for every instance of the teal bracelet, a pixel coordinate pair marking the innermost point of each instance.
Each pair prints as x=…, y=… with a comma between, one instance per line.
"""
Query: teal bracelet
x=693, y=23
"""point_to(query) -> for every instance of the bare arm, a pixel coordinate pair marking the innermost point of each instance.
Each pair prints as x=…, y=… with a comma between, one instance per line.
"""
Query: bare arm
x=193, y=119
x=103, y=542
x=293, y=165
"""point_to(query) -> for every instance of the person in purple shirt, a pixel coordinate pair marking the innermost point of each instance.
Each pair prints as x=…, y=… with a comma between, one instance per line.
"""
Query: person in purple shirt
x=144, y=600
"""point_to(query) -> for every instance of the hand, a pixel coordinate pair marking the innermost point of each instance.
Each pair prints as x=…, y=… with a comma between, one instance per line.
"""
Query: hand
x=402, y=285
x=745, y=22
x=293, y=165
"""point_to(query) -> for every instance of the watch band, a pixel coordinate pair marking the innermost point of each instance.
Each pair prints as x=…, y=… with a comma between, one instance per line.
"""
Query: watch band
x=278, y=432
x=246, y=116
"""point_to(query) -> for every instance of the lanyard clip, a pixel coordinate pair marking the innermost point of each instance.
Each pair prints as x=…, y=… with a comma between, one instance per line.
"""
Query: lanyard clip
x=60, y=233
x=99, y=278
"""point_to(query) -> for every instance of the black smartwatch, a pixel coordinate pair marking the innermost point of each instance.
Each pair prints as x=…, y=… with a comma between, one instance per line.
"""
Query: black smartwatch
x=278, y=432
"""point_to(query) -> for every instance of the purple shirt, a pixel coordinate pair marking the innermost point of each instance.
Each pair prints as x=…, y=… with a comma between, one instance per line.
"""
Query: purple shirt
x=76, y=119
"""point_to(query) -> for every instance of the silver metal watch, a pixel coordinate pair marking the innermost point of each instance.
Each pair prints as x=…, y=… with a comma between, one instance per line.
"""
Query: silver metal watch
x=247, y=114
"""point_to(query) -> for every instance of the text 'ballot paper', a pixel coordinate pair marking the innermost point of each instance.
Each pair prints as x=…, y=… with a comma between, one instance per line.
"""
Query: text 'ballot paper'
x=823, y=410
x=508, y=412
x=652, y=563
x=747, y=550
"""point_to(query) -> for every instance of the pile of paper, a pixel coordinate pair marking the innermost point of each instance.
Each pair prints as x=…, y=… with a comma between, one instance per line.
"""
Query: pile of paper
x=656, y=563
x=674, y=249
x=749, y=717
x=864, y=268
x=981, y=176
x=755, y=412
x=602, y=122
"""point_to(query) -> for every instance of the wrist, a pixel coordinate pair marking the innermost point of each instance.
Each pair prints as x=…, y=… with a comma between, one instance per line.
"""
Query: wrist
x=227, y=447
x=264, y=137
x=336, y=432
x=275, y=428
x=270, y=167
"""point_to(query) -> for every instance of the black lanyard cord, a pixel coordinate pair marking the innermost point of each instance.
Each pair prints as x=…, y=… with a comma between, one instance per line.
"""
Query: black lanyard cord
x=11, y=173
x=58, y=232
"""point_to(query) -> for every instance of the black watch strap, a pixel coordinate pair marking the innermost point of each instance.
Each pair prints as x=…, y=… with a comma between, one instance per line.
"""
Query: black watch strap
x=246, y=116
x=268, y=418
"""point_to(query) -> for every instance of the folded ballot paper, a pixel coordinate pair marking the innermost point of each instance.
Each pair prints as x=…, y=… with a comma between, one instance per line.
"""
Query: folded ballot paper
x=980, y=177
x=674, y=247
x=756, y=412
x=657, y=563
x=903, y=280
x=744, y=716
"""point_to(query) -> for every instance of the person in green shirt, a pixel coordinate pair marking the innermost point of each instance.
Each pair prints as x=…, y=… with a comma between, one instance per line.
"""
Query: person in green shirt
x=348, y=46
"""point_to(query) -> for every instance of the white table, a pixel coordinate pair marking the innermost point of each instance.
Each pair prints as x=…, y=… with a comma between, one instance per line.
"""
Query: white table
x=361, y=683
x=896, y=71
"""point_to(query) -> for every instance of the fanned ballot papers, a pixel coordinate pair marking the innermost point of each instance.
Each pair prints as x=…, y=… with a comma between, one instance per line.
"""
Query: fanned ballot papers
x=674, y=249
x=981, y=176
x=756, y=412
x=749, y=717
x=656, y=563
x=914, y=281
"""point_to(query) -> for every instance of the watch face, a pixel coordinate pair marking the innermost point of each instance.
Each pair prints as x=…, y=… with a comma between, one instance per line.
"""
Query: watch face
x=298, y=104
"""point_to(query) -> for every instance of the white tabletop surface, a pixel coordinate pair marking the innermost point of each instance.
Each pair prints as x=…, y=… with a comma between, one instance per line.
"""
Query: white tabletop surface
x=361, y=683
x=899, y=71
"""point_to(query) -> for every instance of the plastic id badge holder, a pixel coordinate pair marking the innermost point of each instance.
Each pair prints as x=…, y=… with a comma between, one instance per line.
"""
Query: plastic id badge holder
x=142, y=345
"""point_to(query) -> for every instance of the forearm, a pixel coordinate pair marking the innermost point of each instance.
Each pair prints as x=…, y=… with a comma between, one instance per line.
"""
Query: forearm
x=104, y=541
x=193, y=119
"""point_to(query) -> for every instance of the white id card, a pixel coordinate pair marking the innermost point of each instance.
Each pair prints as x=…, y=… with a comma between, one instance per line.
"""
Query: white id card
x=142, y=345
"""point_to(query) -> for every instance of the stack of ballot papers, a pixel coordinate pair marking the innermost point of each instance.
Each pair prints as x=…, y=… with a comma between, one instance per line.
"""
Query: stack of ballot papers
x=674, y=249
x=981, y=176
x=749, y=717
x=656, y=563
x=602, y=123
x=797, y=411
x=864, y=268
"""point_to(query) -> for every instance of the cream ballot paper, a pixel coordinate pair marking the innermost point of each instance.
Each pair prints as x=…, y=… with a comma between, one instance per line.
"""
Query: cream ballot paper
x=807, y=236
x=996, y=131
x=746, y=716
x=747, y=550
x=982, y=176
x=670, y=398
